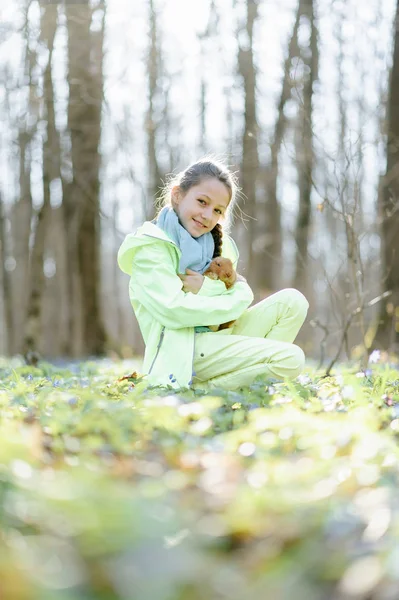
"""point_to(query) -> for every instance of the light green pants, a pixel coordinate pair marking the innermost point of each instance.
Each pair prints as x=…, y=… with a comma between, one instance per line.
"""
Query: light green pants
x=259, y=343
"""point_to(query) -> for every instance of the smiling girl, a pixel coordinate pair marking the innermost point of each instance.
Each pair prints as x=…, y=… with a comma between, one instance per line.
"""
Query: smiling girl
x=174, y=303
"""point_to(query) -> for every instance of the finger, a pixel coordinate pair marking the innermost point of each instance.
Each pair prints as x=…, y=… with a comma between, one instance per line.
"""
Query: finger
x=191, y=271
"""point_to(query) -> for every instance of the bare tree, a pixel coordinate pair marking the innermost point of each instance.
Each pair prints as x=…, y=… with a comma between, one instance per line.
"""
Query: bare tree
x=387, y=336
x=22, y=210
x=272, y=239
x=305, y=152
x=6, y=281
x=50, y=172
x=250, y=157
x=211, y=31
x=81, y=200
x=153, y=65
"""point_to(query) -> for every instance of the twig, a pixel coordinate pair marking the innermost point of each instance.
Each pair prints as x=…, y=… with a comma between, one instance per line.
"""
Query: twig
x=353, y=314
x=316, y=323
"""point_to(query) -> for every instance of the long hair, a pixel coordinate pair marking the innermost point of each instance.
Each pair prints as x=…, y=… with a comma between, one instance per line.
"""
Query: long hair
x=205, y=168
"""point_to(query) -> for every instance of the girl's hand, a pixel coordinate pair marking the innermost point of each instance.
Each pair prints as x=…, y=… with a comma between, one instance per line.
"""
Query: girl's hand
x=192, y=281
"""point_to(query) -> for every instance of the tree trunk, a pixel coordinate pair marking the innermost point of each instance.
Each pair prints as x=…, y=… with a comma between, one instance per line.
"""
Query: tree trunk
x=50, y=172
x=22, y=210
x=21, y=218
x=6, y=283
x=305, y=151
x=154, y=175
x=211, y=32
x=387, y=336
x=250, y=159
x=271, y=272
x=81, y=203
x=116, y=273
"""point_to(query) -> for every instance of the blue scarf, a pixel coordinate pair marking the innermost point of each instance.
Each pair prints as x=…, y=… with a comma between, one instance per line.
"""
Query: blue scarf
x=196, y=253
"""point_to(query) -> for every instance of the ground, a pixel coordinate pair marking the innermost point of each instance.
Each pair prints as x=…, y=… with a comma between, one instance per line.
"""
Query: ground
x=111, y=490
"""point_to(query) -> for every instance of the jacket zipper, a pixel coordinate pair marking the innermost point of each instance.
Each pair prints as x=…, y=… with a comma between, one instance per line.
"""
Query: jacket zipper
x=192, y=363
x=163, y=328
x=157, y=352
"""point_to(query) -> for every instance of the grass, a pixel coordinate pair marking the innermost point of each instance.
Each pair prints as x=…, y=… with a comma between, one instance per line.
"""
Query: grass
x=113, y=490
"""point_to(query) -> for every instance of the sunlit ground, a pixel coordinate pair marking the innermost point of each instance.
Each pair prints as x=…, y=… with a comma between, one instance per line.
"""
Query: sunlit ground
x=280, y=490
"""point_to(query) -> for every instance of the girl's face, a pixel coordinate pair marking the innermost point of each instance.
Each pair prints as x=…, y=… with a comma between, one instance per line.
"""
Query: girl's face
x=202, y=206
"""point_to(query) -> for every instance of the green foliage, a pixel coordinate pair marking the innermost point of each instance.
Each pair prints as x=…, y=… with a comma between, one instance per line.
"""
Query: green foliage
x=113, y=490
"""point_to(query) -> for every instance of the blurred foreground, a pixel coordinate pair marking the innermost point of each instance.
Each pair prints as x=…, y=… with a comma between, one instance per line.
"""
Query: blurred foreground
x=110, y=490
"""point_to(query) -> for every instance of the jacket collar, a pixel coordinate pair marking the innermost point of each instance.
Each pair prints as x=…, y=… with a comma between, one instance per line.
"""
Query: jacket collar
x=145, y=235
x=149, y=228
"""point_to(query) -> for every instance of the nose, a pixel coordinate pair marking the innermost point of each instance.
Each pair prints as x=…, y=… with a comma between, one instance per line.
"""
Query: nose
x=207, y=213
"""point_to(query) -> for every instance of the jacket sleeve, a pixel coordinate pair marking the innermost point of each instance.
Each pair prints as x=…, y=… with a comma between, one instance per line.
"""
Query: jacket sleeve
x=155, y=284
x=212, y=287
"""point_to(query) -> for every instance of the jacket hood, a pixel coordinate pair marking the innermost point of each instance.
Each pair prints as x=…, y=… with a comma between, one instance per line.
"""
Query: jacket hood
x=143, y=236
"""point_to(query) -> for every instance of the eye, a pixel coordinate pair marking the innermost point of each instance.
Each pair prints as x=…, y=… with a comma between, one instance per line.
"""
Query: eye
x=218, y=210
x=200, y=200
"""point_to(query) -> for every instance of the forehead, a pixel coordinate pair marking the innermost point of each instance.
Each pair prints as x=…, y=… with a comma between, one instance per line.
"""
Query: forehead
x=215, y=190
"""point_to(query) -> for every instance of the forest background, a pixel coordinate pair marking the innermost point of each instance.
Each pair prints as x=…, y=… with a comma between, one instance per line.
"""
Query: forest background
x=100, y=100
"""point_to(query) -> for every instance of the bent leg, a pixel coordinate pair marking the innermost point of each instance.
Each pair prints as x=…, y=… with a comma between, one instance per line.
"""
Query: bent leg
x=234, y=361
x=278, y=317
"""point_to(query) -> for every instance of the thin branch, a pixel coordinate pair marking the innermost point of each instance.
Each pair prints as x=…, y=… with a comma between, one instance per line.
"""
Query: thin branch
x=349, y=320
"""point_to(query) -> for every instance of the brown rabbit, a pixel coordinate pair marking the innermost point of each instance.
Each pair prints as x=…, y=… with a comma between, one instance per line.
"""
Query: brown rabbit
x=222, y=268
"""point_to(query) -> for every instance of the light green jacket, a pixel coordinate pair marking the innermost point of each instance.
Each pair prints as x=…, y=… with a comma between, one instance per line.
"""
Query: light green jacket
x=167, y=315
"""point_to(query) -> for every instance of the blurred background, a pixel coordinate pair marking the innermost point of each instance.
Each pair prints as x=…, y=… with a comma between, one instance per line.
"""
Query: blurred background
x=101, y=99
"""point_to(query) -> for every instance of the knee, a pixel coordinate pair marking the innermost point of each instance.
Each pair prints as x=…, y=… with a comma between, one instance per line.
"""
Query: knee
x=296, y=300
x=287, y=363
x=297, y=362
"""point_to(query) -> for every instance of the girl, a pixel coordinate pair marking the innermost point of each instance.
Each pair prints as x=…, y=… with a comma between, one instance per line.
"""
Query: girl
x=174, y=303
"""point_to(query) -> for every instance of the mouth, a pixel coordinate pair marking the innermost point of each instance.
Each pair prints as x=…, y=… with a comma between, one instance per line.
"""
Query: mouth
x=199, y=224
